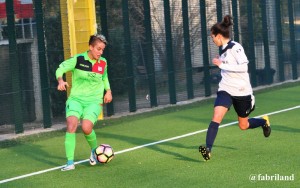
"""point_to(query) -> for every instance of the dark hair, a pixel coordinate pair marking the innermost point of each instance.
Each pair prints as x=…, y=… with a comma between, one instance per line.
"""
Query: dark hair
x=223, y=27
x=97, y=37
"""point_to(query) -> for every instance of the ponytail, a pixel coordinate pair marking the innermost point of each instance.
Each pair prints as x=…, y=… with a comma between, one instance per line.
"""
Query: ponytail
x=223, y=27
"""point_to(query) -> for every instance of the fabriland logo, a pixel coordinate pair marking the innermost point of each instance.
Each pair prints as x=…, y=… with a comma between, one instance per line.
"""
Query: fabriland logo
x=274, y=177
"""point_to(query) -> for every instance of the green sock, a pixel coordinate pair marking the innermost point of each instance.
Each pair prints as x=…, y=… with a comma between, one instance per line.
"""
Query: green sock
x=92, y=139
x=70, y=142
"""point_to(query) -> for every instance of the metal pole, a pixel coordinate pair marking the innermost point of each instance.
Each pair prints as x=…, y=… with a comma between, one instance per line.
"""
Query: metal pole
x=279, y=41
x=235, y=20
x=219, y=15
x=187, y=50
x=104, y=28
x=128, y=57
x=43, y=64
x=14, y=68
x=205, y=48
x=293, y=40
x=219, y=10
x=267, y=69
x=169, y=49
x=149, y=54
x=251, y=55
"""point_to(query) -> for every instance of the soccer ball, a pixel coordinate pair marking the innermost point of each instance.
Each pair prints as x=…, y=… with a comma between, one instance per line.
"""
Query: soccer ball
x=104, y=153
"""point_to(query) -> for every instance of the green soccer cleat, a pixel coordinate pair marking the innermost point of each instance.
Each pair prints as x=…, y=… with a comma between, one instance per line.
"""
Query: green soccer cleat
x=68, y=167
x=205, y=152
x=267, y=127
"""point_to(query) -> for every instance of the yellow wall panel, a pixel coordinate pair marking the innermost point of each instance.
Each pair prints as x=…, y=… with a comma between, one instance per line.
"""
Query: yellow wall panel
x=78, y=23
x=81, y=13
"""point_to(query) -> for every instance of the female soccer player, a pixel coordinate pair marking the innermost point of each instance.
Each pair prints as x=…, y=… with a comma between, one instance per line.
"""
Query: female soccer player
x=234, y=88
x=89, y=80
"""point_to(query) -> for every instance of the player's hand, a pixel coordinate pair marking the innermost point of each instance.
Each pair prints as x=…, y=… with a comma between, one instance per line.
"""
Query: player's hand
x=62, y=85
x=217, y=61
x=108, y=96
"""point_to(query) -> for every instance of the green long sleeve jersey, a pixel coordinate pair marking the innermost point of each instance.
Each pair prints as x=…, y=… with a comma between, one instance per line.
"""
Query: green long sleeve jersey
x=89, y=77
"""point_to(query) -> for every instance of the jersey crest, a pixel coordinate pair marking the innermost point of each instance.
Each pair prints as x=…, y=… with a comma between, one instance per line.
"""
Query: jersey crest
x=99, y=67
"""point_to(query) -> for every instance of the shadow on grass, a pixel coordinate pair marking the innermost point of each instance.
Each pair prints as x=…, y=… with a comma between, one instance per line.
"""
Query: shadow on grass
x=194, y=119
x=284, y=128
x=225, y=147
x=28, y=147
x=155, y=147
x=37, y=153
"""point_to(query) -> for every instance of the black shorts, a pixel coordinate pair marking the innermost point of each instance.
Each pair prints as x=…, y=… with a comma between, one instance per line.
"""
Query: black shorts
x=243, y=105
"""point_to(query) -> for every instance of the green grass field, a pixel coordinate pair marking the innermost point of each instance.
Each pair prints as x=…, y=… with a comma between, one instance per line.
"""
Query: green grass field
x=237, y=157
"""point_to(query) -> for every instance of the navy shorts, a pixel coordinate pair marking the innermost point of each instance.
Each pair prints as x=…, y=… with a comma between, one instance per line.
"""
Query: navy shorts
x=243, y=105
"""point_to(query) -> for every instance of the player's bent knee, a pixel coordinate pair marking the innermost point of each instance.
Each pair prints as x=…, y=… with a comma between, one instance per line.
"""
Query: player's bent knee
x=87, y=126
x=71, y=128
x=243, y=126
x=72, y=123
x=87, y=130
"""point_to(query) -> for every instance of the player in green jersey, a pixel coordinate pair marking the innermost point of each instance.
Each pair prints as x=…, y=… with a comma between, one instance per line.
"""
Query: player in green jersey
x=89, y=81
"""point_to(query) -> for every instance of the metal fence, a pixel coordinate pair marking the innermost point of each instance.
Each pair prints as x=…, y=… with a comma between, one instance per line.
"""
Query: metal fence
x=159, y=52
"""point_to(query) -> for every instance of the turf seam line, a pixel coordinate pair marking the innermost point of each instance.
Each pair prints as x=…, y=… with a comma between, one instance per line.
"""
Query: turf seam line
x=142, y=146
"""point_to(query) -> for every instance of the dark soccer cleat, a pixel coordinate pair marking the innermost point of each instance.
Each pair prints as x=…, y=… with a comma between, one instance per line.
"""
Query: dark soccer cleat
x=266, y=127
x=205, y=152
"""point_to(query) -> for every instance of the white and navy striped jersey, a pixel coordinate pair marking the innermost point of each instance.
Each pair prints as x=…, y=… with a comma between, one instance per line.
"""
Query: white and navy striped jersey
x=234, y=70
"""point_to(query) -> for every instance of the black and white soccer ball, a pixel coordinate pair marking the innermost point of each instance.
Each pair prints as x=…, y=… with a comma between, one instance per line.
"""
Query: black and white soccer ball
x=104, y=153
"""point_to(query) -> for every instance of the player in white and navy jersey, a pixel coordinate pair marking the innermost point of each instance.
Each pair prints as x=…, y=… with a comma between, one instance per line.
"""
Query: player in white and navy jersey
x=234, y=88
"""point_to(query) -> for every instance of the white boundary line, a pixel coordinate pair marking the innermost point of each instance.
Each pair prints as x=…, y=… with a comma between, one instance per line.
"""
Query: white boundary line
x=141, y=146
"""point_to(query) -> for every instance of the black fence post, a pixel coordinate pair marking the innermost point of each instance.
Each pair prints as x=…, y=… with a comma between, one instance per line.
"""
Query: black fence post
x=128, y=57
x=219, y=15
x=149, y=54
x=187, y=50
x=293, y=45
x=267, y=70
x=279, y=41
x=14, y=68
x=235, y=21
x=251, y=55
x=205, y=48
x=39, y=15
x=219, y=10
x=104, y=30
x=169, y=50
